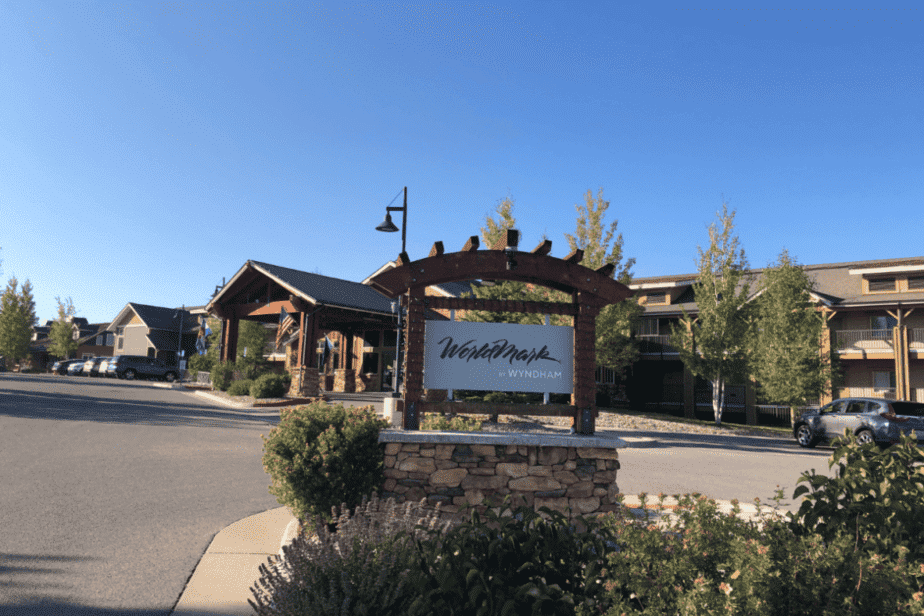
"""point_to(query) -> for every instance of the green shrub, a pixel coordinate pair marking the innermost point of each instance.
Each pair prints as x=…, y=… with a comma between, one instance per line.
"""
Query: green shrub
x=357, y=570
x=200, y=363
x=436, y=421
x=271, y=386
x=321, y=455
x=874, y=494
x=222, y=373
x=240, y=388
x=510, y=562
x=707, y=562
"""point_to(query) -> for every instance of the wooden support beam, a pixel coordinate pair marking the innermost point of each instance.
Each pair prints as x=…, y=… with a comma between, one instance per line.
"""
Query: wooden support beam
x=511, y=239
x=403, y=259
x=499, y=305
x=472, y=244
x=544, y=248
x=487, y=408
x=607, y=270
x=437, y=249
x=575, y=257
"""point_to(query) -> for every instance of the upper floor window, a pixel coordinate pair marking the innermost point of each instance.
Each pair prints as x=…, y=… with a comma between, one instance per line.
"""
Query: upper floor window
x=915, y=283
x=655, y=299
x=882, y=285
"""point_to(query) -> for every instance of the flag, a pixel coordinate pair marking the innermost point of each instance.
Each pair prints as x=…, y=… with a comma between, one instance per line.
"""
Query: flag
x=202, y=338
x=286, y=321
x=327, y=347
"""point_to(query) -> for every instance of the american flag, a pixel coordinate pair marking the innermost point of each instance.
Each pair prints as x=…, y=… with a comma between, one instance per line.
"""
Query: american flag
x=286, y=322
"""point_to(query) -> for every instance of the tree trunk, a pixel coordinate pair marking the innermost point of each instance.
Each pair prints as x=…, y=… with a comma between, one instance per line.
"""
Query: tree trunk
x=718, y=399
x=793, y=414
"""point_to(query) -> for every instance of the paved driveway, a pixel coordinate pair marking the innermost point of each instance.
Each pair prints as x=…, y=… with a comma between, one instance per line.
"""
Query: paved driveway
x=720, y=467
x=112, y=490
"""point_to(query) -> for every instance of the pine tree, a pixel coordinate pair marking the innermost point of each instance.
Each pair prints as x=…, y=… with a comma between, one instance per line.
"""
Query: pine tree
x=714, y=344
x=786, y=360
x=62, y=330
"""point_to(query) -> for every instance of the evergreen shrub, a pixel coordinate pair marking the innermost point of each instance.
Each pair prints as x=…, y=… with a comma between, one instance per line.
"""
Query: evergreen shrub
x=222, y=374
x=240, y=388
x=271, y=386
x=322, y=455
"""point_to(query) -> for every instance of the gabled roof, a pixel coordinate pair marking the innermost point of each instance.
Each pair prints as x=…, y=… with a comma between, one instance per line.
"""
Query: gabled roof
x=317, y=289
x=156, y=317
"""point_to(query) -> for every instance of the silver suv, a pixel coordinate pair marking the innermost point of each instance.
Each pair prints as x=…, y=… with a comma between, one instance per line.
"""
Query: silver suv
x=138, y=366
x=871, y=419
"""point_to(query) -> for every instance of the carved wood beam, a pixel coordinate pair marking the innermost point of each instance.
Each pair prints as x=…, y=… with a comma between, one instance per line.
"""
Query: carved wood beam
x=544, y=248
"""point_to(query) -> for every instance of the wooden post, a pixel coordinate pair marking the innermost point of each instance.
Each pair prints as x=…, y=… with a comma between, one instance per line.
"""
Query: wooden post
x=414, y=357
x=229, y=339
x=585, y=337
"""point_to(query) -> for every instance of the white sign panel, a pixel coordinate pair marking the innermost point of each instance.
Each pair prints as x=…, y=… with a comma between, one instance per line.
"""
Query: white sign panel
x=499, y=357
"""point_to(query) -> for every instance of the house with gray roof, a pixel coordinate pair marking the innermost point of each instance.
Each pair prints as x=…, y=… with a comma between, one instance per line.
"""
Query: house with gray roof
x=154, y=331
x=875, y=325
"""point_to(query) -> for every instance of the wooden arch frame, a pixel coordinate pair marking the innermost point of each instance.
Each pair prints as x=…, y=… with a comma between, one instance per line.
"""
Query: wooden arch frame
x=590, y=291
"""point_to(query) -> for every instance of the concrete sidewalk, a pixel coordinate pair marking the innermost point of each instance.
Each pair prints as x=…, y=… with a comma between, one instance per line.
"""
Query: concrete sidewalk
x=220, y=584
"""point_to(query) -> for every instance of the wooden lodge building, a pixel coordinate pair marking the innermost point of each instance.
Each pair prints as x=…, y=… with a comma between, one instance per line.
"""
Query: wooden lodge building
x=344, y=335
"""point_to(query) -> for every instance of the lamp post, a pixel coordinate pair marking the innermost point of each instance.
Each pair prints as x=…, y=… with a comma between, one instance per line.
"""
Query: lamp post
x=389, y=227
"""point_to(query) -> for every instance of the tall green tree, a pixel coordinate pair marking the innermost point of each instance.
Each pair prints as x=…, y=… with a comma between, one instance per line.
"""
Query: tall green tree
x=786, y=360
x=62, y=330
x=251, y=336
x=714, y=344
x=17, y=317
x=616, y=349
x=493, y=234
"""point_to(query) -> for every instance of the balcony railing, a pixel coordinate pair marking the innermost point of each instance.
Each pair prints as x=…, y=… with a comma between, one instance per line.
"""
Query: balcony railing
x=863, y=339
x=656, y=345
x=916, y=338
x=887, y=393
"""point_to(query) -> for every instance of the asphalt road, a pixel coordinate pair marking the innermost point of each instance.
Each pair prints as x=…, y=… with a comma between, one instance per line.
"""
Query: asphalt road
x=110, y=491
x=720, y=467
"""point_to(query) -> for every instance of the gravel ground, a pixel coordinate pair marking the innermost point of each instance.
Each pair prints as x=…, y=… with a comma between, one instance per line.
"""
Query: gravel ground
x=618, y=421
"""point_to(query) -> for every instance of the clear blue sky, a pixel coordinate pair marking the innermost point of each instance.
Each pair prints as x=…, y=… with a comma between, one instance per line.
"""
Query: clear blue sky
x=149, y=149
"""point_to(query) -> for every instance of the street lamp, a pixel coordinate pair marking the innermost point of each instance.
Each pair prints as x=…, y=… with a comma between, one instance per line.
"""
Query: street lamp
x=389, y=227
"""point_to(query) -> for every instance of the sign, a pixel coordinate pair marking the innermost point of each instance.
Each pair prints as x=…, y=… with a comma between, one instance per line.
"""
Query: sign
x=499, y=357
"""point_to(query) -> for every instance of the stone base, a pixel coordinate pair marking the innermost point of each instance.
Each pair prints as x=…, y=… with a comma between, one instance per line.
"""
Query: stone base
x=345, y=381
x=575, y=480
x=309, y=382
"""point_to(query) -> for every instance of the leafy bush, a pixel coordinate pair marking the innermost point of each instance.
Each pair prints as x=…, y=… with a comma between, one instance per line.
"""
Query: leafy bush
x=222, y=373
x=707, y=562
x=436, y=421
x=510, y=562
x=240, y=388
x=271, y=386
x=358, y=570
x=200, y=363
x=875, y=495
x=322, y=455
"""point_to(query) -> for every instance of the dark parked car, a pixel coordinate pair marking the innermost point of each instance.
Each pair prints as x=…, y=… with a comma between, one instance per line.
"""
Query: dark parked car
x=871, y=419
x=61, y=366
x=138, y=366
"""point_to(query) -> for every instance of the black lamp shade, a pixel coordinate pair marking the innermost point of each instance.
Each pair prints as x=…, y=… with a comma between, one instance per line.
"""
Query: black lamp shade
x=387, y=225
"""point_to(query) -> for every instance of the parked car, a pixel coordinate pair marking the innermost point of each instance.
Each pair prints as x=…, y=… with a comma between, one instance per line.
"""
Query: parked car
x=61, y=366
x=76, y=368
x=871, y=419
x=91, y=366
x=138, y=366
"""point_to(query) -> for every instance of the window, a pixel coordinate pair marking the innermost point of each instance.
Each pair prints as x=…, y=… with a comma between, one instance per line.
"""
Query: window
x=915, y=283
x=370, y=363
x=371, y=339
x=883, y=379
x=883, y=323
x=648, y=327
x=120, y=343
x=856, y=406
x=100, y=339
x=882, y=285
x=655, y=299
x=152, y=352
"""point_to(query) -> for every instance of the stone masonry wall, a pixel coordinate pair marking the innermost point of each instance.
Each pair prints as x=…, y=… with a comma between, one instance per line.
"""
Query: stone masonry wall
x=580, y=478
